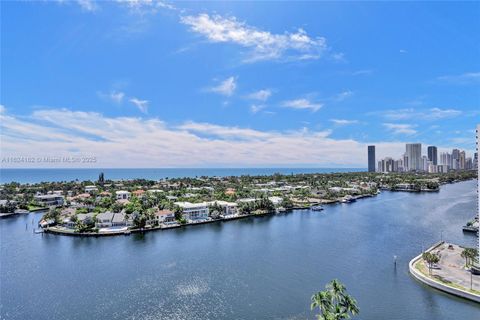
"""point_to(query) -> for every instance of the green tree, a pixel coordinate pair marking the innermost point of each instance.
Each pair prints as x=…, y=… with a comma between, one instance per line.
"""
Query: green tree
x=470, y=255
x=430, y=259
x=334, y=303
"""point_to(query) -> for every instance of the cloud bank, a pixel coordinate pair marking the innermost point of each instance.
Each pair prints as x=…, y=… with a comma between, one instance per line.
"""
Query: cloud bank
x=139, y=142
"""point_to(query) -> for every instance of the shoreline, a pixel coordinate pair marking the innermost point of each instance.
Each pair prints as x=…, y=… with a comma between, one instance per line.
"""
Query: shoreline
x=65, y=232
x=458, y=291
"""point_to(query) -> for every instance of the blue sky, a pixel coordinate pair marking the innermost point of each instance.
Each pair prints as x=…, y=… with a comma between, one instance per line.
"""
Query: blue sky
x=186, y=84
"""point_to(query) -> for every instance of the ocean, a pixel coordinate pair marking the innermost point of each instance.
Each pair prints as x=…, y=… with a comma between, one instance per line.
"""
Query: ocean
x=57, y=175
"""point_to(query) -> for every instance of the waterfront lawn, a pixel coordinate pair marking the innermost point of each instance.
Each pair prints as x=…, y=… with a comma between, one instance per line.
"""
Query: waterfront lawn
x=420, y=266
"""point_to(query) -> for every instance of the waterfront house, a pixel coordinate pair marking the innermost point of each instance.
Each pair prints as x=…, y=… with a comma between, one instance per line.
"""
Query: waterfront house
x=193, y=211
x=164, y=216
x=120, y=220
x=69, y=223
x=276, y=200
x=122, y=195
x=50, y=200
x=104, y=219
x=85, y=218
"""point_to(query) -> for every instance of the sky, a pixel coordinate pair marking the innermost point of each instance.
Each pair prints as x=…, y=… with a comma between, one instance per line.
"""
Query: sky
x=234, y=84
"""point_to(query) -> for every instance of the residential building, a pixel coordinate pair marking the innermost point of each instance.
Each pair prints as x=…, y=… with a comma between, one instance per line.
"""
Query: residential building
x=50, y=200
x=371, y=158
x=85, y=217
x=122, y=195
x=386, y=165
x=104, y=219
x=414, y=154
x=193, y=211
x=228, y=208
x=120, y=219
x=461, y=160
x=91, y=189
x=432, y=154
x=276, y=200
x=164, y=216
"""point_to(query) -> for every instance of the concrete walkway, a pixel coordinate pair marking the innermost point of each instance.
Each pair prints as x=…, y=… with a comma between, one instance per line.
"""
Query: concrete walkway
x=452, y=267
x=449, y=274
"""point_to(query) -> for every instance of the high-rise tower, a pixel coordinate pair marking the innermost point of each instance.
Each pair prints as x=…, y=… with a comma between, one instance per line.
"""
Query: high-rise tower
x=371, y=158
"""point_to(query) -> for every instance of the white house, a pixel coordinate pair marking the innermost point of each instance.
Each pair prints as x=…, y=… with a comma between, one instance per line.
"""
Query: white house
x=122, y=195
x=49, y=200
x=193, y=211
x=120, y=220
x=276, y=200
x=104, y=219
x=164, y=216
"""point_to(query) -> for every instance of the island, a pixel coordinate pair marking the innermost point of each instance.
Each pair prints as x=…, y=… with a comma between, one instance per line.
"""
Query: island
x=119, y=207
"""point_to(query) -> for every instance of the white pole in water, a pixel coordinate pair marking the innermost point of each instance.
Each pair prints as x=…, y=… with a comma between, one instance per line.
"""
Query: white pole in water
x=395, y=260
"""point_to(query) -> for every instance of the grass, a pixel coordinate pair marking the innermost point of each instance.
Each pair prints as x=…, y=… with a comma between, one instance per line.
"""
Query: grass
x=424, y=270
x=31, y=207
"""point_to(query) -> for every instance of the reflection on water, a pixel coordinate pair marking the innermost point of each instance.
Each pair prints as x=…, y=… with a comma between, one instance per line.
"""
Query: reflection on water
x=255, y=268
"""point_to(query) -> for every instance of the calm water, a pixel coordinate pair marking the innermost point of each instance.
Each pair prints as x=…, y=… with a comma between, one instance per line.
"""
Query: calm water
x=259, y=268
x=44, y=175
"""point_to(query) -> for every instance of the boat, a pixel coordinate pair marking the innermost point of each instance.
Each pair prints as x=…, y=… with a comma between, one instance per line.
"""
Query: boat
x=280, y=210
x=316, y=208
x=348, y=199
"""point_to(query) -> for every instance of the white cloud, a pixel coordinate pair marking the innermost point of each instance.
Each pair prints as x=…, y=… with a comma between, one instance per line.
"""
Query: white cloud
x=226, y=87
x=465, y=78
x=88, y=5
x=114, y=96
x=302, y=103
x=400, y=128
x=343, y=95
x=142, y=105
x=146, y=6
x=343, y=122
x=362, y=72
x=153, y=143
x=117, y=96
x=261, y=95
x=339, y=56
x=431, y=114
x=263, y=44
x=403, y=51
x=255, y=108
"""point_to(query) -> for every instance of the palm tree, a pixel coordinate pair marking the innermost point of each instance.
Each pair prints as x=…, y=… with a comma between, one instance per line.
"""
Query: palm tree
x=470, y=255
x=322, y=300
x=430, y=259
x=334, y=303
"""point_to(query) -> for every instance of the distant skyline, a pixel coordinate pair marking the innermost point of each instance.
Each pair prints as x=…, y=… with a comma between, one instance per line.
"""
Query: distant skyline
x=236, y=84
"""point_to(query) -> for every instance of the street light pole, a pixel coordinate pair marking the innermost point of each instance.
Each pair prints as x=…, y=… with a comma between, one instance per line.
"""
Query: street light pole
x=471, y=279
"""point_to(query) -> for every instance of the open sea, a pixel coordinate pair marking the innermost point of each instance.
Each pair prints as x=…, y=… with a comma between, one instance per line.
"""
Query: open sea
x=51, y=175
